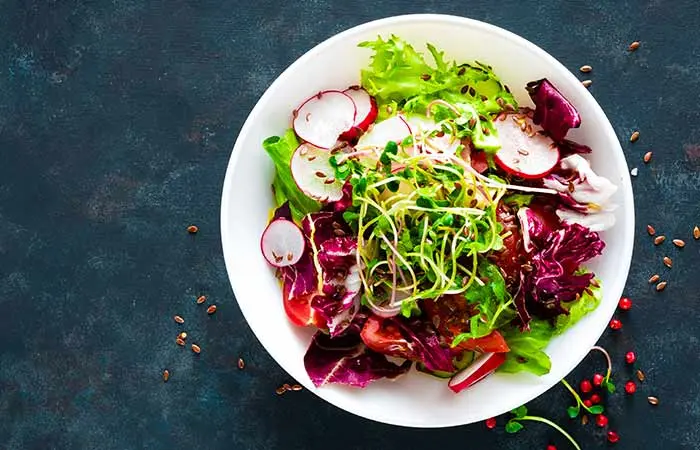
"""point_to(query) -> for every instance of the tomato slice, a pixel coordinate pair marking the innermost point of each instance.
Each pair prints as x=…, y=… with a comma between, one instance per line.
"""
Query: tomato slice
x=300, y=312
x=491, y=343
x=385, y=338
x=450, y=314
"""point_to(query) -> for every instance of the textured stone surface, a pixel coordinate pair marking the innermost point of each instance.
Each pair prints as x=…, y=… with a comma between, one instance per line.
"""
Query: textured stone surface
x=116, y=124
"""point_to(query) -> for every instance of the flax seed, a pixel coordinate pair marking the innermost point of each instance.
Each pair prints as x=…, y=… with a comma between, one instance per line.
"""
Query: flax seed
x=696, y=233
x=634, y=137
x=192, y=229
x=182, y=336
x=280, y=390
x=653, y=400
x=668, y=262
x=633, y=46
x=211, y=310
x=651, y=230
x=587, y=83
x=647, y=157
x=241, y=364
x=166, y=375
x=180, y=342
x=179, y=319
x=654, y=278
x=196, y=348
x=659, y=239
x=678, y=243
x=297, y=387
x=201, y=299
x=640, y=375
x=585, y=69
x=661, y=286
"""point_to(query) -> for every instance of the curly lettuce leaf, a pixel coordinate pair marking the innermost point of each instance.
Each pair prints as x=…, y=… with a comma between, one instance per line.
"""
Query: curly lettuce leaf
x=588, y=302
x=280, y=149
x=400, y=78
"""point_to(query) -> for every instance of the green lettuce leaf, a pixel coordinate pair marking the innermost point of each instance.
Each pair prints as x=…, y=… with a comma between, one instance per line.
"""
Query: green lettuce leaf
x=280, y=149
x=527, y=348
x=518, y=200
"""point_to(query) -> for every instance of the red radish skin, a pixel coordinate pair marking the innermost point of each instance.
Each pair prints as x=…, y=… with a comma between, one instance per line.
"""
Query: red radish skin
x=282, y=243
x=524, y=152
x=365, y=112
x=477, y=371
x=393, y=129
x=314, y=175
x=321, y=119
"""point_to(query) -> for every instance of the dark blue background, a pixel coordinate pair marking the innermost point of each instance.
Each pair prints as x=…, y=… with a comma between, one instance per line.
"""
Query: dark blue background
x=116, y=124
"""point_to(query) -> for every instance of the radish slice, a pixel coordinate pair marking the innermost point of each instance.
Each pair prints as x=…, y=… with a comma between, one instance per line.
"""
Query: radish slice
x=282, y=243
x=393, y=129
x=314, y=175
x=525, y=152
x=477, y=371
x=366, y=112
x=324, y=117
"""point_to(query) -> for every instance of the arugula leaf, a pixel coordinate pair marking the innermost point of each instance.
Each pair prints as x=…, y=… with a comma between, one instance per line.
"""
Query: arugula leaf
x=280, y=150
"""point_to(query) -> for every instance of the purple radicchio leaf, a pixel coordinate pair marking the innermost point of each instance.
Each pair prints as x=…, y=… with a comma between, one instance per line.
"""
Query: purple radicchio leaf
x=533, y=228
x=346, y=360
x=554, y=278
x=553, y=112
x=345, y=201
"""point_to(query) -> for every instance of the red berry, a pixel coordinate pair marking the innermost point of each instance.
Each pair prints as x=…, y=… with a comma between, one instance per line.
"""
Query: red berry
x=491, y=423
x=551, y=447
x=615, y=324
x=601, y=421
x=586, y=386
x=613, y=437
x=625, y=304
x=595, y=399
x=630, y=387
x=587, y=403
x=598, y=379
x=630, y=358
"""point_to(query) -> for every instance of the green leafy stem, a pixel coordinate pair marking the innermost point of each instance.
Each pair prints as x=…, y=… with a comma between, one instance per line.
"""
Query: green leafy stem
x=574, y=411
x=514, y=424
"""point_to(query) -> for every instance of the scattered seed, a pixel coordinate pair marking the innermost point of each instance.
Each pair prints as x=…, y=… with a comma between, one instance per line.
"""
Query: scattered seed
x=653, y=400
x=668, y=262
x=584, y=420
x=654, y=278
x=587, y=83
x=280, y=390
x=211, y=310
x=425, y=77
x=180, y=342
x=661, y=286
x=678, y=243
x=241, y=364
x=523, y=152
x=182, y=336
x=166, y=375
x=696, y=233
x=647, y=157
x=633, y=46
x=320, y=174
x=192, y=229
x=640, y=375
x=634, y=172
x=586, y=68
x=287, y=387
x=179, y=319
x=311, y=158
x=634, y=137
x=339, y=232
x=330, y=180
x=297, y=387
x=659, y=239
x=651, y=230
x=196, y=349
x=201, y=299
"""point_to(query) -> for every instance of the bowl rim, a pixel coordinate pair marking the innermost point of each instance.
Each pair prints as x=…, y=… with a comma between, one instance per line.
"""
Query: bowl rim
x=596, y=330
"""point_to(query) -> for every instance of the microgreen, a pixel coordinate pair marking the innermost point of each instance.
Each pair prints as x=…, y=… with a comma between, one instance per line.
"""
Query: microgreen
x=520, y=414
x=573, y=411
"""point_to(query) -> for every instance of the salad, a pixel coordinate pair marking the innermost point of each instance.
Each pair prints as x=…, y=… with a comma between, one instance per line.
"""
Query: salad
x=426, y=218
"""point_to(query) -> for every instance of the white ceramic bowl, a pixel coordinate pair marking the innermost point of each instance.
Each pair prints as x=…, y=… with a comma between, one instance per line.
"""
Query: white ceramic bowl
x=415, y=400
